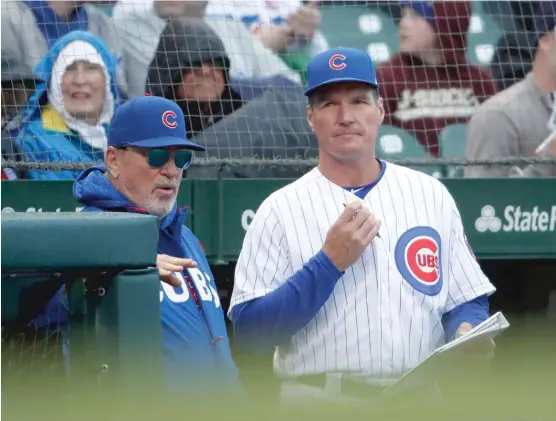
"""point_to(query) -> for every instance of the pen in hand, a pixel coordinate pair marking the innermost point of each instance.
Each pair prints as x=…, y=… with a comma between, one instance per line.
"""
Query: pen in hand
x=377, y=234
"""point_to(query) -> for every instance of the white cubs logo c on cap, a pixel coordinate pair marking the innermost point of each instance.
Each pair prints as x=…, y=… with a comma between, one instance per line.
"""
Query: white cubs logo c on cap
x=169, y=119
x=418, y=259
x=336, y=62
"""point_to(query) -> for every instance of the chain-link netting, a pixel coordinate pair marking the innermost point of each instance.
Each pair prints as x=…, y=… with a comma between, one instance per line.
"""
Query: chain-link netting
x=32, y=353
x=467, y=87
x=34, y=333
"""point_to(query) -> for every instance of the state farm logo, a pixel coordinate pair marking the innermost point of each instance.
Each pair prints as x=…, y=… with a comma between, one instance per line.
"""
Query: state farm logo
x=9, y=209
x=488, y=220
x=516, y=219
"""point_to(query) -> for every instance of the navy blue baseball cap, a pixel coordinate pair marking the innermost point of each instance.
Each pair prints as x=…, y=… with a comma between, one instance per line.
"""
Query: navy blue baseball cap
x=340, y=65
x=149, y=122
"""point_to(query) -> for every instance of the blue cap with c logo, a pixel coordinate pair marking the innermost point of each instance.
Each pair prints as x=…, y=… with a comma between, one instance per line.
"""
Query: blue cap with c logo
x=150, y=122
x=340, y=65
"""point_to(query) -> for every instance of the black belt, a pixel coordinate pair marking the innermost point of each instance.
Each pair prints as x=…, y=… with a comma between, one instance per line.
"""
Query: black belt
x=349, y=387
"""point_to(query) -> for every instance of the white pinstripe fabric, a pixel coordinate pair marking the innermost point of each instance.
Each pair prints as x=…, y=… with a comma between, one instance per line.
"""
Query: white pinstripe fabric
x=375, y=323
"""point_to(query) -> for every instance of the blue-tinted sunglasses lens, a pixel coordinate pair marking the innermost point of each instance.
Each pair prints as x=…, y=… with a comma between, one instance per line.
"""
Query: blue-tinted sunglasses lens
x=159, y=157
x=183, y=158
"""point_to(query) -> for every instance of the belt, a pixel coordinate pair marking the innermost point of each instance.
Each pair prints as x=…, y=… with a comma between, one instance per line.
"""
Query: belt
x=348, y=387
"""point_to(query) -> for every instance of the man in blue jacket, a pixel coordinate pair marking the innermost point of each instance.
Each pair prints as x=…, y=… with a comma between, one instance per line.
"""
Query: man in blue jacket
x=144, y=163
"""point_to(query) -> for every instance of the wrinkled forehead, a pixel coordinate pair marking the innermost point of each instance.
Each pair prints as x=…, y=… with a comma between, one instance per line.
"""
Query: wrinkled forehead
x=342, y=91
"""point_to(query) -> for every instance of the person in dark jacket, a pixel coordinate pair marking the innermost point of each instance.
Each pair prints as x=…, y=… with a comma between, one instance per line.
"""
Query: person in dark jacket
x=18, y=83
x=10, y=152
x=269, y=127
x=143, y=166
x=515, y=51
x=191, y=67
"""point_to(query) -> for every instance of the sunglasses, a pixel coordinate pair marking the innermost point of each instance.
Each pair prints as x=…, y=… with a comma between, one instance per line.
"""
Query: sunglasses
x=157, y=158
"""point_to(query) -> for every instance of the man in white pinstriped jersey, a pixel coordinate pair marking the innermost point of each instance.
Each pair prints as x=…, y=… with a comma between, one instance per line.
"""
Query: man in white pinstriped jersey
x=354, y=296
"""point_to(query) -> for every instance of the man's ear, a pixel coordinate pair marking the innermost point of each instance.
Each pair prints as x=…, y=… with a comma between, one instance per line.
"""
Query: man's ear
x=310, y=117
x=380, y=106
x=111, y=160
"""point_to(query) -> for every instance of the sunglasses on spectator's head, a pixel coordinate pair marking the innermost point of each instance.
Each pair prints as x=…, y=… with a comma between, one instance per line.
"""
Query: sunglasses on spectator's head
x=158, y=157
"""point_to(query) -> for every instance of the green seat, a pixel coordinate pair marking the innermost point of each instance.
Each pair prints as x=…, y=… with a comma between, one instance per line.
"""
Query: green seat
x=482, y=37
x=366, y=28
x=452, y=141
x=394, y=144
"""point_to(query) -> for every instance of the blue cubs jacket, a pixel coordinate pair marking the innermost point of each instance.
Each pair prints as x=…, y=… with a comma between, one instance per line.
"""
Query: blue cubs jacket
x=196, y=348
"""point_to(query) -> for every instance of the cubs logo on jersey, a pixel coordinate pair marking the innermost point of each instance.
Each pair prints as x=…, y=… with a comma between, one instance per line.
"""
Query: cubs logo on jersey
x=204, y=288
x=418, y=259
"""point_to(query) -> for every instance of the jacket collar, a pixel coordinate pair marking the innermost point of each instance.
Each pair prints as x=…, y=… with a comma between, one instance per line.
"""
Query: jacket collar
x=53, y=121
x=173, y=222
x=545, y=97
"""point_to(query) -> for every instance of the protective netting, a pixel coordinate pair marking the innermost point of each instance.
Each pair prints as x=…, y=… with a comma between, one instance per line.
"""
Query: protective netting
x=34, y=336
x=466, y=85
x=32, y=353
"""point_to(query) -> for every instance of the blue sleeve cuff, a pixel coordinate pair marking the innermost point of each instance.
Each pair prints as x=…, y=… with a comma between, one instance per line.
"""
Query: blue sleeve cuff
x=322, y=258
x=274, y=318
x=473, y=312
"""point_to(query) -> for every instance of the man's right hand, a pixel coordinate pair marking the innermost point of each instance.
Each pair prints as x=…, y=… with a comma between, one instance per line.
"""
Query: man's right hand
x=350, y=235
x=167, y=265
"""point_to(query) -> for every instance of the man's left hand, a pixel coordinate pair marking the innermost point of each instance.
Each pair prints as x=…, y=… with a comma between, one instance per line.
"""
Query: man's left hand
x=484, y=348
x=463, y=329
x=168, y=265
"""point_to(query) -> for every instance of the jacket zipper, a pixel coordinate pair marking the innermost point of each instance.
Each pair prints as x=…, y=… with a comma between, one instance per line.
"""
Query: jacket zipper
x=194, y=294
x=193, y=291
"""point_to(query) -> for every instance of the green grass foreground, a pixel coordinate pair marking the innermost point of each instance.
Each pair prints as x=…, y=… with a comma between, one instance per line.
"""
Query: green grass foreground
x=520, y=385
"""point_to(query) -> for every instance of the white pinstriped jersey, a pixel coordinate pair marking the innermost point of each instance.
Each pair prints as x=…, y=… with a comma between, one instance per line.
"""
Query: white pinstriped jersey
x=384, y=316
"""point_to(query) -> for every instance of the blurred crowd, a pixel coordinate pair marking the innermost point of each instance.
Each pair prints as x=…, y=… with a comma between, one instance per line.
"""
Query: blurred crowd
x=237, y=69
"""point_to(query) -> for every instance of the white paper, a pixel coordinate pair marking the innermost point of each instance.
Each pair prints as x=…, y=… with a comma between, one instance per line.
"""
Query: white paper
x=551, y=124
x=440, y=360
x=547, y=143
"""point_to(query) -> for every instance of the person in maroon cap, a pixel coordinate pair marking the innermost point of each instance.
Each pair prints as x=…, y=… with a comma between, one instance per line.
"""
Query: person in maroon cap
x=430, y=84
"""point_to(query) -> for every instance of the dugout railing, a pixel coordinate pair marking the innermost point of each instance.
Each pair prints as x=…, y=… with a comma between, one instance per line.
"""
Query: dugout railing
x=104, y=340
x=510, y=225
x=513, y=218
x=107, y=261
